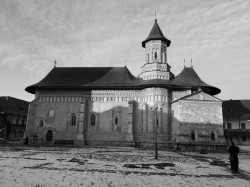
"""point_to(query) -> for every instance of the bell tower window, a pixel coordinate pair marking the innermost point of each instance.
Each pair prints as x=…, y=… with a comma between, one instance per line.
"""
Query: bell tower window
x=155, y=55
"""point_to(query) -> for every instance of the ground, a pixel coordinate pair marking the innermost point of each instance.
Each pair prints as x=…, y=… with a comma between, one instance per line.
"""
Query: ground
x=116, y=166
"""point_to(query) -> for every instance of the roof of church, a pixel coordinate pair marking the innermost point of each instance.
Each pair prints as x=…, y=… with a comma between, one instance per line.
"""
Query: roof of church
x=11, y=105
x=236, y=109
x=87, y=77
x=156, y=34
x=189, y=78
x=115, y=78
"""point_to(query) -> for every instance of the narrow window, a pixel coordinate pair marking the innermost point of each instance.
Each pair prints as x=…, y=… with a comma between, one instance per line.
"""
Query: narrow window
x=155, y=55
x=243, y=126
x=147, y=58
x=41, y=123
x=244, y=138
x=92, y=119
x=17, y=121
x=73, y=119
x=193, y=135
x=116, y=120
x=212, y=135
x=229, y=126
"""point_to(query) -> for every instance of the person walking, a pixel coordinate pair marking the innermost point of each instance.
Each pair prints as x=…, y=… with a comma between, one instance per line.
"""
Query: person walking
x=233, y=157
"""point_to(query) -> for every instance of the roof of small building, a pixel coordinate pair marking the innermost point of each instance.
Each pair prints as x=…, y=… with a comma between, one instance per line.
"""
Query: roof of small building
x=11, y=105
x=236, y=109
x=115, y=78
x=156, y=34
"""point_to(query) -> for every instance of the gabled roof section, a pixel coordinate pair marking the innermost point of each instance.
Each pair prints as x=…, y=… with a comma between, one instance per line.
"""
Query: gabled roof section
x=199, y=96
x=236, y=109
x=189, y=78
x=86, y=77
x=11, y=105
x=156, y=34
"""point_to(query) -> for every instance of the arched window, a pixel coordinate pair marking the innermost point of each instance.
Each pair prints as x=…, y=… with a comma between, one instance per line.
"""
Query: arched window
x=192, y=135
x=49, y=136
x=92, y=119
x=244, y=138
x=51, y=113
x=155, y=55
x=73, y=119
x=212, y=135
x=41, y=123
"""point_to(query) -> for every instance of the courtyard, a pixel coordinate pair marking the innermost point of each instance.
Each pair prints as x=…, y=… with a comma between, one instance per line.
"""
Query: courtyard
x=117, y=166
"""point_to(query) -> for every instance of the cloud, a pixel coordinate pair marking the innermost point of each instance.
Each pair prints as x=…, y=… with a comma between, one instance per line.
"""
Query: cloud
x=215, y=34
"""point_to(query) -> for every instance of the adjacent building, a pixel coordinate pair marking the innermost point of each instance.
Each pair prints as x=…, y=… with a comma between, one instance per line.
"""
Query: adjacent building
x=13, y=117
x=109, y=105
x=236, y=117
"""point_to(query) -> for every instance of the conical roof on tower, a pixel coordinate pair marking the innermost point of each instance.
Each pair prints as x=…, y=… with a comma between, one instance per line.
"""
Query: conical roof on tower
x=156, y=34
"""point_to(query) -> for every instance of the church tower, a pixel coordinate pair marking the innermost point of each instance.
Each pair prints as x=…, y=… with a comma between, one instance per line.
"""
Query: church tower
x=156, y=66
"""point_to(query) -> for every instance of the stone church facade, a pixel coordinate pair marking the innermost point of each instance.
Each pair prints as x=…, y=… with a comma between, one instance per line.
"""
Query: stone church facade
x=110, y=106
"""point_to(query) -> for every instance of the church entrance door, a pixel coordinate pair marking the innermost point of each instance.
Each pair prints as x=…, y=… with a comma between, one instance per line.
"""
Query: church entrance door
x=49, y=136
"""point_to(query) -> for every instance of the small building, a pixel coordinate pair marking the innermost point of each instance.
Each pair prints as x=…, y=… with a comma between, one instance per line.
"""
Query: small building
x=236, y=117
x=13, y=117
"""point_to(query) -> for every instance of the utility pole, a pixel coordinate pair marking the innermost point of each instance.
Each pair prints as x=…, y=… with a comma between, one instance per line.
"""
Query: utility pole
x=156, y=127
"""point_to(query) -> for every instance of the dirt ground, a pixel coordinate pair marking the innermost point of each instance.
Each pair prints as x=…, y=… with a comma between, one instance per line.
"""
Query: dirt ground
x=116, y=166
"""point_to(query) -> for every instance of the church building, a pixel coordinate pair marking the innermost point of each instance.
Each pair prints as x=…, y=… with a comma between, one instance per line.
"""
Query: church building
x=110, y=106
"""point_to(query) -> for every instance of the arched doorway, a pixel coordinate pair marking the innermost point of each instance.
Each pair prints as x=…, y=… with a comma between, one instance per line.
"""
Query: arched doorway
x=49, y=136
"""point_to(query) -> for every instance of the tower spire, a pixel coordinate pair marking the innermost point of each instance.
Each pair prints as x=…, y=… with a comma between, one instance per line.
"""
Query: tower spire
x=155, y=16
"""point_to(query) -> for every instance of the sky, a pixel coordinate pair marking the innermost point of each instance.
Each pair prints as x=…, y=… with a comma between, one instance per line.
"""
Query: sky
x=215, y=34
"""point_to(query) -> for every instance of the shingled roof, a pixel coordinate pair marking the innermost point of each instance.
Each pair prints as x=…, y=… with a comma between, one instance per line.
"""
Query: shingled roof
x=156, y=34
x=236, y=109
x=87, y=78
x=11, y=105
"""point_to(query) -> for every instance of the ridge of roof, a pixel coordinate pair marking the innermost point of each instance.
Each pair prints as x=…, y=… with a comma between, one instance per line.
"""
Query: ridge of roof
x=156, y=34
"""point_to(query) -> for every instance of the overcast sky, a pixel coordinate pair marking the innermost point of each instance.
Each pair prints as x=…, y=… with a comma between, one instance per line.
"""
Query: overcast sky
x=214, y=33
